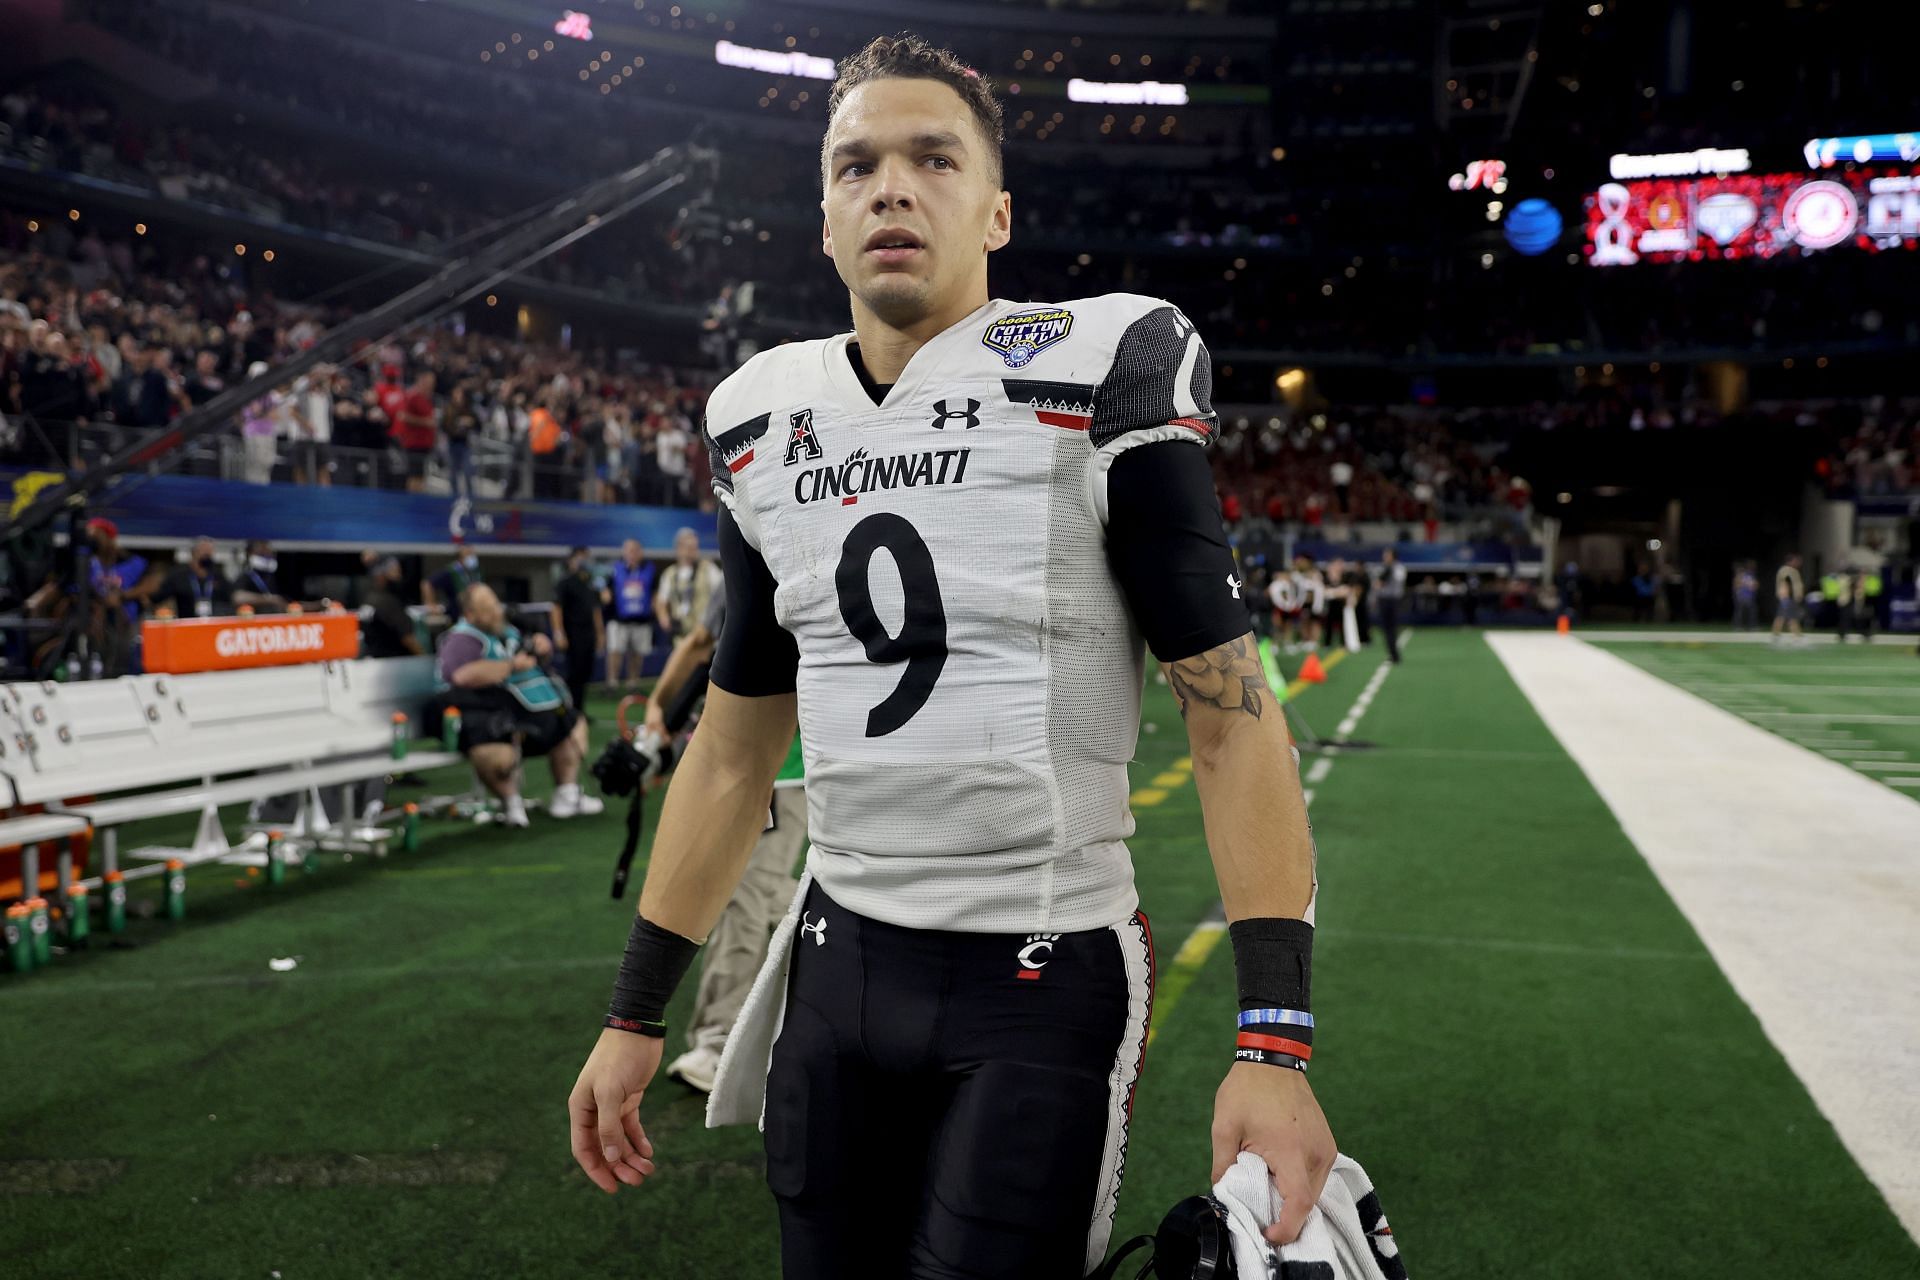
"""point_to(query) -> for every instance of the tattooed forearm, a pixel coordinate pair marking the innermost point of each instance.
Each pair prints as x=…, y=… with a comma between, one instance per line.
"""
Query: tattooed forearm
x=1228, y=677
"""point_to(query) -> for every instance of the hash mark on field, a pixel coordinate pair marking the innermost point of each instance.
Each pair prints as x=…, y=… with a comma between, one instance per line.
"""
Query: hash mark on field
x=339, y=1169
x=1320, y=769
x=1145, y=797
x=1170, y=779
x=57, y=1177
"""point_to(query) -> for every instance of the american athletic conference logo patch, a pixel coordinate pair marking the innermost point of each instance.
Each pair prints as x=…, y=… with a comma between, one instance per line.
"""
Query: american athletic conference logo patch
x=1025, y=334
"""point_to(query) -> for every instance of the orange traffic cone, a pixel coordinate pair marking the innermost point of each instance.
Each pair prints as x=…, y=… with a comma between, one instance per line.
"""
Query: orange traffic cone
x=1311, y=671
x=1564, y=626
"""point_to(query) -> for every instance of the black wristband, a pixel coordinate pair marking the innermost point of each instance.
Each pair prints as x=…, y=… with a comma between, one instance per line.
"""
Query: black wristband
x=656, y=960
x=1270, y=1058
x=1273, y=962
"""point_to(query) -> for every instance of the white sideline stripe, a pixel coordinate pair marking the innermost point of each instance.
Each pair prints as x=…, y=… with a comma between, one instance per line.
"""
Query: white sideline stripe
x=1852, y=753
x=1758, y=840
x=1890, y=766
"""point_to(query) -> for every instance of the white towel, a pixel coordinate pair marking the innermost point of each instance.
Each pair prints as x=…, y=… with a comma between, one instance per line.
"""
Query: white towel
x=740, y=1084
x=1346, y=1237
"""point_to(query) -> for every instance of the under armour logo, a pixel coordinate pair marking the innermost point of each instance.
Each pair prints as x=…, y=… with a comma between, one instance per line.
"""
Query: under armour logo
x=802, y=442
x=1234, y=582
x=941, y=413
x=817, y=928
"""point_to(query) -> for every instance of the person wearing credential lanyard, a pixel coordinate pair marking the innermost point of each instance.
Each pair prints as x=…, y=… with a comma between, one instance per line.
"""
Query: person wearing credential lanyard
x=257, y=587
x=197, y=589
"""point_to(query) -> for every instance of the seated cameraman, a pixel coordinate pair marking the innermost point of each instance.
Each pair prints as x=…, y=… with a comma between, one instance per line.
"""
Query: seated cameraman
x=511, y=708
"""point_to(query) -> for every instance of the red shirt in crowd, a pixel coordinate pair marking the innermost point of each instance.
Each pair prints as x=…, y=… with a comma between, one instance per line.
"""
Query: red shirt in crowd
x=414, y=426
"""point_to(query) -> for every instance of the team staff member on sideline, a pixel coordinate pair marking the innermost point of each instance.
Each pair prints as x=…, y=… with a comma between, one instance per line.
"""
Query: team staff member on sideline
x=385, y=629
x=969, y=981
x=446, y=588
x=1390, y=592
x=577, y=626
x=630, y=629
x=737, y=947
x=197, y=589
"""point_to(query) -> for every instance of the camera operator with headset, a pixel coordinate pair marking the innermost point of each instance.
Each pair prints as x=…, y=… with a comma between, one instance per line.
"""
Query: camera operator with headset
x=737, y=947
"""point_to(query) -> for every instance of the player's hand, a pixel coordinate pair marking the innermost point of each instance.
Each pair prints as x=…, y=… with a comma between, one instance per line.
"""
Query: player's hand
x=604, y=1109
x=1271, y=1111
x=656, y=720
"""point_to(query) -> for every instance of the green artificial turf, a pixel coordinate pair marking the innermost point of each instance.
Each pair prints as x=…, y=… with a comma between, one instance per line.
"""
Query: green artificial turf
x=1853, y=703
x=1520, y=1038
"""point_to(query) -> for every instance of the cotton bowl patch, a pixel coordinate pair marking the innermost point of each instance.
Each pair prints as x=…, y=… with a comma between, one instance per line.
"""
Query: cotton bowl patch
x=1025, y=334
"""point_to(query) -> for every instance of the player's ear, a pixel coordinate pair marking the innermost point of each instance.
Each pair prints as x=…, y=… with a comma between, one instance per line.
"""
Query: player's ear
x=1000, y=225
x=826, y=231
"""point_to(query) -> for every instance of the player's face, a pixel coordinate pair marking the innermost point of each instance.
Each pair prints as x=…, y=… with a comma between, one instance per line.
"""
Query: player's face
x=912, y=204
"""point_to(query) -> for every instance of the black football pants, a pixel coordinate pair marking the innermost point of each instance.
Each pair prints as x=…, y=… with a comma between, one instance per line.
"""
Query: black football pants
x=947, y=1105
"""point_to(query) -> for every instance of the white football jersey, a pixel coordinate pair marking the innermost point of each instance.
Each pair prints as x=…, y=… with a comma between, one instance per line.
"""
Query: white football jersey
x=969, y=675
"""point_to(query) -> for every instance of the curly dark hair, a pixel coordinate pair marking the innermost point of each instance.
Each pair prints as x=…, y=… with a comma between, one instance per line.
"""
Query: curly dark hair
x=908, y=56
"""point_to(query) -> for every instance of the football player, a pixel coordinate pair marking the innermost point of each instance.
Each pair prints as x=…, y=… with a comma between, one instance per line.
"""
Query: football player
x=946, y=535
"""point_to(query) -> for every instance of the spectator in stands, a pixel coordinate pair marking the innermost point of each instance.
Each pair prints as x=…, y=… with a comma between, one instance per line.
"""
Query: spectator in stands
x=385, y=629
x=630, y=628
x=670, y=450
x=511, y=708
x=681, y=598
x=197, y=589
x=205, y=382
x=578, y=628
x=311, y=420
x=458, y=428
x=416, y=430
x=258, y=432
x=544, y=438
x=445, y=589
x=257, y=585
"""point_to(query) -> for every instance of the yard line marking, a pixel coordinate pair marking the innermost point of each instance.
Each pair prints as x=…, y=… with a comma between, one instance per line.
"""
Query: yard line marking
x=1851, y=753
x=1146, y=797
x=57, y=1177
x=1716, y=637
x=348, y=1169
x=1171, y=778
x=1890, y=766
x=1319, y=770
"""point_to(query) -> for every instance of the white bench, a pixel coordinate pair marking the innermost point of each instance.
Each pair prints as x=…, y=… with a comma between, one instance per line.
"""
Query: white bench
x=29, y=833
x=80, y=748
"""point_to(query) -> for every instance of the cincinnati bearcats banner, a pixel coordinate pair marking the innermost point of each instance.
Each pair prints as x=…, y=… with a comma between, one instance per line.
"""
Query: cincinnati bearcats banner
x=352, y=519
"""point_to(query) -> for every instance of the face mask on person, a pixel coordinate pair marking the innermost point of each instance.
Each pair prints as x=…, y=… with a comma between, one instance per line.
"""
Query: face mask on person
x=204, y=562
x=264, y=564
x=470, y=561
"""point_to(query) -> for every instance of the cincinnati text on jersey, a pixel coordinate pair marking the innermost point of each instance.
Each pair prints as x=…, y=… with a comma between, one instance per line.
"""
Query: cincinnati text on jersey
x=861, y=474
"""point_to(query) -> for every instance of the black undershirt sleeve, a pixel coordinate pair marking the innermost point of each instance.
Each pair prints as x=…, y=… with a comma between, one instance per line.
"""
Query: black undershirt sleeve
x=1168, y=547
x=755, y=656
